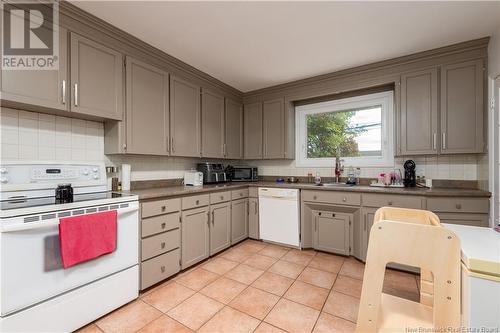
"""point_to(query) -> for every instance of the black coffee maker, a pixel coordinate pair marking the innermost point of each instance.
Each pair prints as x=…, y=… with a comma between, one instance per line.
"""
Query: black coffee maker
x=410, y=179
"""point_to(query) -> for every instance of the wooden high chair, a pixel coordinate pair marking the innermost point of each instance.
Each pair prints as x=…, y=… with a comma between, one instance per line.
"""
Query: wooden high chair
x=419, y=241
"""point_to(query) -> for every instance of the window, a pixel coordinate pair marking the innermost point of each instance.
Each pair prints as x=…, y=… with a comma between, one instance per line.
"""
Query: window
x=359, y=129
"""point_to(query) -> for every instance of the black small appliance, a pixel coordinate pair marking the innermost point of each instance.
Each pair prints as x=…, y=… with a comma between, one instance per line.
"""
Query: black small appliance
x=410, y=179
x=213, y=173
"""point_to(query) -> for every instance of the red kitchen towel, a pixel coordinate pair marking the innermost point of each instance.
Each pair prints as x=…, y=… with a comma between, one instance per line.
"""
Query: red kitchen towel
x=86, y=237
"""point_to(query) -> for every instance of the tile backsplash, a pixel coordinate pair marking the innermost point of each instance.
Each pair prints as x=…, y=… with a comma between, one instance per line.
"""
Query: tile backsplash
x=36, y=136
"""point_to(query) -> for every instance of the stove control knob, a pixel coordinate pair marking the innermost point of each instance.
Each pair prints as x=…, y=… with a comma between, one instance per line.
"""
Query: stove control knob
x=85, y=172
x=4, y=180
x=3, y=170
x=95, y=169
x=96, y=176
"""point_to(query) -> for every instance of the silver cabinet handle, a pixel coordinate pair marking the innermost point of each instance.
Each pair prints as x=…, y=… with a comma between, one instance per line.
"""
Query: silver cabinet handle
x=434, y=141
x=172, y=144
x=213, y=217
x=163, y=225
x=444, y=140
x=64, y=91
x=162, y=268
x=76, y=94
x=256, y=212
x=458, y=206
x=163, y=245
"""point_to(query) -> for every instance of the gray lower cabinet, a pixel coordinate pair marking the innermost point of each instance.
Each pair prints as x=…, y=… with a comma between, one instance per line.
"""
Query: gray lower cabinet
x=147, y=119
x=418, y=128
x=233, y=130
x=467, y=211
x=239, y=220
x=185, y=118
x=44, y=88
x=96, y=79
x=252, y=133
x=220, y=227
x=332, y=232
x=253, y=218
x=368, y=216
x=274, y=128
x=212, y=124
x=195, y=230
x=462, y=97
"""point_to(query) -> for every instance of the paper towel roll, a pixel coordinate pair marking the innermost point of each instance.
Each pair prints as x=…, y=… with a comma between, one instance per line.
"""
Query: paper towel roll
x=125, y=177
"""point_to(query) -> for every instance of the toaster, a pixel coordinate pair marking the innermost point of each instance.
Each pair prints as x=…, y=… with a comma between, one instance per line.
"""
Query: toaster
x=193, y=178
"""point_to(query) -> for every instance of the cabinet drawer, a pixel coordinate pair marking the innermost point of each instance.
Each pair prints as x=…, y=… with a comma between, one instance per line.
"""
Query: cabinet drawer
x=457, y=205
x=156, y=224
x=335, y=197
x=476, y=220
x=160, y=268
x=220, y=197
x=238, y=194
x=382, y=200
x=160, y=243
x=195, y=201
x=253, y=192
x=152, y=208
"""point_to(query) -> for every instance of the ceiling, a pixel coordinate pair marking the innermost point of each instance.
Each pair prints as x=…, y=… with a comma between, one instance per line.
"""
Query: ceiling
x=253, y=45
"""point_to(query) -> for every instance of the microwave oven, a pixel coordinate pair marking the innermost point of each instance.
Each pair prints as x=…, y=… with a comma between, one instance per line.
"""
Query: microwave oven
x=244, y=174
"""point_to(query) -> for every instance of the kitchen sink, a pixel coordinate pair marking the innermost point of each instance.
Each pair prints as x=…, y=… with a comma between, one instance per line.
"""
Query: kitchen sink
x=336, y=185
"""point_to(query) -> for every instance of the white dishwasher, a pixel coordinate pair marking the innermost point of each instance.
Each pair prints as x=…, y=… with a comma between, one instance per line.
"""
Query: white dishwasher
x=279, y=215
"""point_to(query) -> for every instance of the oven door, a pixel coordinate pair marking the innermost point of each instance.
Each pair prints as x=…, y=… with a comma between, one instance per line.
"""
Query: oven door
x=242, y=174
x=30, y=263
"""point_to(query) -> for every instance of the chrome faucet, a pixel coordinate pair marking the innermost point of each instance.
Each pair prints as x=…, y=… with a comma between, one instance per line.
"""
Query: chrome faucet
x=338, y=166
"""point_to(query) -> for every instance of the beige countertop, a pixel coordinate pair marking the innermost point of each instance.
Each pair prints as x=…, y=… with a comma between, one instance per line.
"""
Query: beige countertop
x=172, y=191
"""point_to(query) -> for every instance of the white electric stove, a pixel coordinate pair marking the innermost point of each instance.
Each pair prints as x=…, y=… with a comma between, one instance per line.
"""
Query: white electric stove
x=36, y=292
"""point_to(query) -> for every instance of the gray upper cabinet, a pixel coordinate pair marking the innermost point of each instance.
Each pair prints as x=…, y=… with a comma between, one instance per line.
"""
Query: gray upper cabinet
x=212, y=124
x=253, y=130
x=234, y=130
x=185, y=117
x=220, y=228
x=418, y=131
x=274, y=128
x=331, y=232
x=96, y=79
x=147, y=116
x=462, y=97
x=45, y=88
x=195, y=237
x=239, y=220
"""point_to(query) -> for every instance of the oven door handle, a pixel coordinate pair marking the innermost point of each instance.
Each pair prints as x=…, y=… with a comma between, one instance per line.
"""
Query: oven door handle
x=51, y=222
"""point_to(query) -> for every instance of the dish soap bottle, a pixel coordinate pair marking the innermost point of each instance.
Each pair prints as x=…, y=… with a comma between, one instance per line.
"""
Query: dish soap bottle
x=317, y=179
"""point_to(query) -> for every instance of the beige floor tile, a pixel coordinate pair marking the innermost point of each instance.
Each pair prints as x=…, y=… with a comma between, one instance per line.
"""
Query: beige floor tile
x=331, y=324
x=129, y=318
x=197, y=279
x=195, y=311
x=317, y=277
x=255, y=302
x=220, y=265
x=330, y=263
x=223, y=290
x=165, y=324
x=307, y=294
x=267, y=328
x=287, y=269
x=148, y=291
x=400, y=280
x=409, y=295
x=298, y=257
x=244, y=274
x=91, y=328
x=260, y=261
x=292, y=317
x=252, y=246
x=274, y=251
x=343, y=306
x=237, y=254
x=273, y=283
x=353, y=268
x=229, y=320
x=348, y=285
x=168, y=296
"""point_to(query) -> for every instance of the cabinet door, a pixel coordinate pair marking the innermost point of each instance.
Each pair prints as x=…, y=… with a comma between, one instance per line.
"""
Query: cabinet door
x=185, y=120
x=462, y=97
x=195, y=236
x=419, y=112
x=46, y=88
x=274, y=128
x=234, y=130
x=239, y=220
x=147, y=109
x=96, y=79
x=331, y=232
x=253, y=218
x=368, y=217
x=220, y=229
x=212, y=124
x=476, y=220
x=252, y=131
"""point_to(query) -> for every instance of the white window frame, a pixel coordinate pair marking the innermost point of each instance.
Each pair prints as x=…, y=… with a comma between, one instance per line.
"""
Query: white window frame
x=384, y=99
